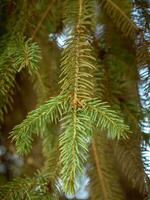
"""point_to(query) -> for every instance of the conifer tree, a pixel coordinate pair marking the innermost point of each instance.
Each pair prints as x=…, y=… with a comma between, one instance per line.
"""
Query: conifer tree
x=87, y=62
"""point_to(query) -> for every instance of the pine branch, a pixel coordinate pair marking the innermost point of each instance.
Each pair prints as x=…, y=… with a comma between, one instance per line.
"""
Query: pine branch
x=77, y=61
x=27, y=55
x=36, y=122
x=128, y=151
x=73, y=147
x=128, y=158
x=7, y=76
x=129, y=28
x=77, y=67
x=43, y=185
x=18, y=54
x=104, y=181
x=120, y=18
x=105, y=118
x=28, y=188
x=17, y=189
x=125, y=155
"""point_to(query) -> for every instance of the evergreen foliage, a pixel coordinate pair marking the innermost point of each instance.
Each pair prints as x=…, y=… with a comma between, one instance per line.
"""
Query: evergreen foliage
x=18, y=54
x=103, y=172
x=96, y=113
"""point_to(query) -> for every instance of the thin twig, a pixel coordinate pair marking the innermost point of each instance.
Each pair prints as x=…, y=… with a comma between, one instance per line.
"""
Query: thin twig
x=42, y=19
